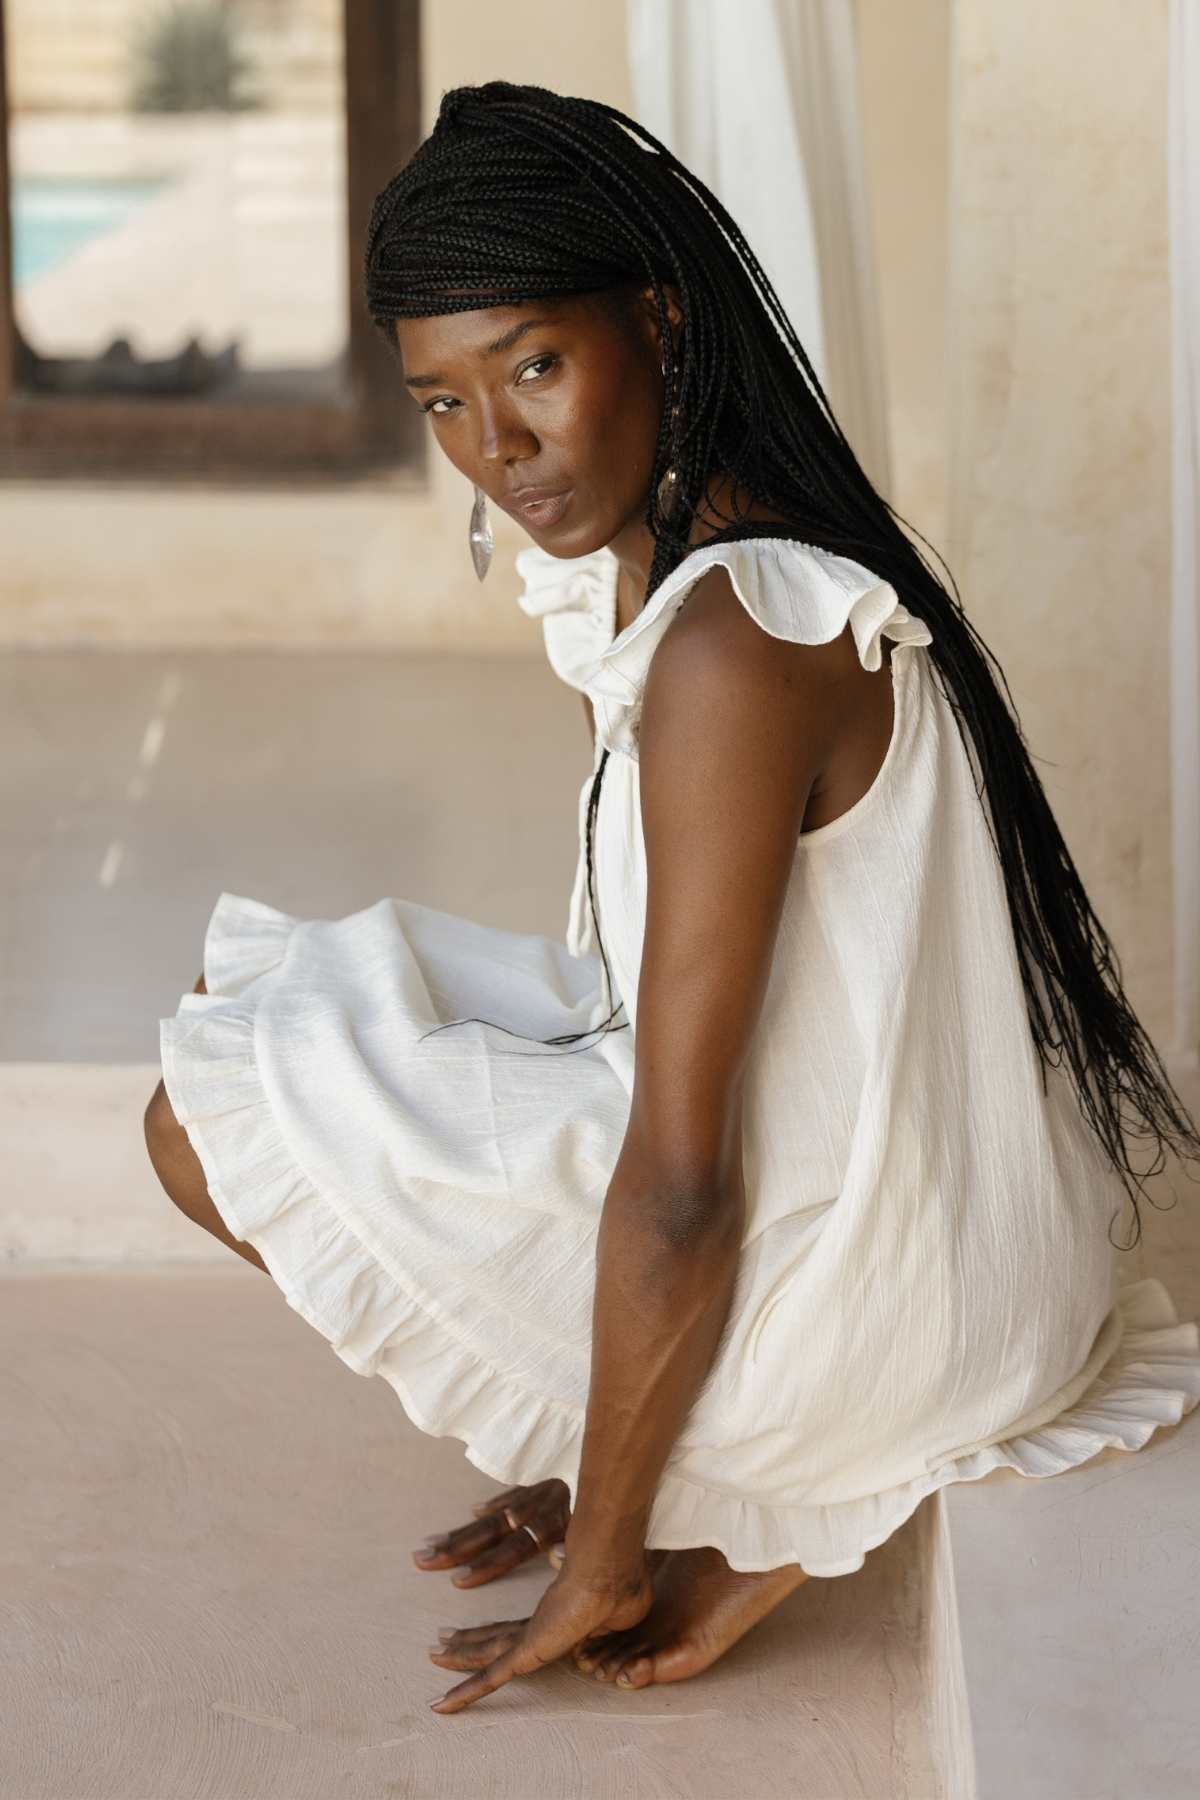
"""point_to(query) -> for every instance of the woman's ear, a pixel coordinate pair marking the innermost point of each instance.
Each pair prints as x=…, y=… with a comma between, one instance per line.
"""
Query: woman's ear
x=649, y=309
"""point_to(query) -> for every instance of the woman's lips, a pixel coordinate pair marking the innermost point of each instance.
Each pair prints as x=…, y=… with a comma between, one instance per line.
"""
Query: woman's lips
x=541, y=507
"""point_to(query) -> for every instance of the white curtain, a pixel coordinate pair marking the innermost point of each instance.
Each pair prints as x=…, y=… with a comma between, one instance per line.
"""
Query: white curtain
x=761, y=101
x=1183, y=153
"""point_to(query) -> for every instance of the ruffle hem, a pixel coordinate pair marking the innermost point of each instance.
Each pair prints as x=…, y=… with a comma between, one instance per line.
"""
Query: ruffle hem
x=509, y=1432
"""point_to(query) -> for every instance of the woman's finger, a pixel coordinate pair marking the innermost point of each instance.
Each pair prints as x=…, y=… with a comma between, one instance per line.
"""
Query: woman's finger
x=536, y=1645
x=475, y=1634
x=510, y=1496
x=496, y=1540
x=475, y=1655
x=476, y=1686
x=462, y=1544
x=517, y=1548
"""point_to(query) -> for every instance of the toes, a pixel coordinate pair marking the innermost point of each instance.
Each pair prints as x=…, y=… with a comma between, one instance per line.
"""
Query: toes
x=594, y=1651
x=629, y=1665
x=679, y=1661
x=638, y=1672
x=608, y=1665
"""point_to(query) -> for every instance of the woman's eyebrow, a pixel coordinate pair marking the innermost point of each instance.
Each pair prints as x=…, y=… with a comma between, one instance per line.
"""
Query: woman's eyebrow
x=505, y=341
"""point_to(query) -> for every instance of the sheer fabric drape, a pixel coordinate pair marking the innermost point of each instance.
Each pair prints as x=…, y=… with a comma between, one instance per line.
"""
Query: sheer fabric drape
x=762, y=101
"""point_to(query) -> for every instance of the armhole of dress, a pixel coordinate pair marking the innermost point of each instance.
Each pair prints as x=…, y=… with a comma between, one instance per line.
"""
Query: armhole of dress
x=903, y=676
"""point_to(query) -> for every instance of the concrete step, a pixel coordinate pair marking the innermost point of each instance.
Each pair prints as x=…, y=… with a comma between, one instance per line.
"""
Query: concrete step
x=205, y=1524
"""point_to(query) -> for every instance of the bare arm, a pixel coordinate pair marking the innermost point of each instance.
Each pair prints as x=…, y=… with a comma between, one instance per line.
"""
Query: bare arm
x=735, y=728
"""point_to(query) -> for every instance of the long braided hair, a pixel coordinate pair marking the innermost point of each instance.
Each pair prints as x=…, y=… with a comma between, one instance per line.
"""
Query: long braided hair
x=521, y=194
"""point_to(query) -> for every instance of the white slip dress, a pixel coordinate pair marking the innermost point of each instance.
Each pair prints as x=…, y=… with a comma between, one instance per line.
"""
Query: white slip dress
x=927, y=1289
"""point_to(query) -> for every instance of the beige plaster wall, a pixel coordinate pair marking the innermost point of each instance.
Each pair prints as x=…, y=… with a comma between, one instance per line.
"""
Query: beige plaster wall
x=1060, y=416
x=904, y=67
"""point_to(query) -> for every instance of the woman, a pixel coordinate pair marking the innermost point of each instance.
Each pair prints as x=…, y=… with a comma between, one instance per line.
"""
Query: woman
x=725, y=1287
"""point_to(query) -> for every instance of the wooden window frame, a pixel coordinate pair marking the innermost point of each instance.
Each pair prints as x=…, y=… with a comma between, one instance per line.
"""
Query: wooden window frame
x=44, y=434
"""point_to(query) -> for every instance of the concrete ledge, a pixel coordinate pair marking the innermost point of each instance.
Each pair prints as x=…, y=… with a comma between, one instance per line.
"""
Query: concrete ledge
x=1077, y=1598
x=79, y=1186
x=947, y=1713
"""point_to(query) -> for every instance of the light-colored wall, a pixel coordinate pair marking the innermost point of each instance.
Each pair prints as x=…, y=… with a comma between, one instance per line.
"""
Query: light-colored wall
x=904, y=66
x=1060, y=418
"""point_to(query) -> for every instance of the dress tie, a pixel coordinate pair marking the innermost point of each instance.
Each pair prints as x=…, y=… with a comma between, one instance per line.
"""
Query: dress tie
x=581, y=935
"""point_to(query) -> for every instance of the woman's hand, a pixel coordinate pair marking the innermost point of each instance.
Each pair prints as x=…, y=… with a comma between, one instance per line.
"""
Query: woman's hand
x=498, y=1541
x=569, y=1611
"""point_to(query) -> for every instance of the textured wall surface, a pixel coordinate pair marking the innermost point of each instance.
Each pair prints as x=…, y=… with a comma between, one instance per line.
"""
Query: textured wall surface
x=1059, y=425
x=904, y=64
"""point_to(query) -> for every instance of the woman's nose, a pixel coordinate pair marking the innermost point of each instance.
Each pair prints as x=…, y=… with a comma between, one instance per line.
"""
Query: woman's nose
x=503, y=439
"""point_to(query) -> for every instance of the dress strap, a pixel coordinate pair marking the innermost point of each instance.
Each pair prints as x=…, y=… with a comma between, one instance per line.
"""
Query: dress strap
x=581, y=934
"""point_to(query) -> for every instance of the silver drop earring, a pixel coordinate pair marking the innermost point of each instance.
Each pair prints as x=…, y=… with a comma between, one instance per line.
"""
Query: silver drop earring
x=480, y=534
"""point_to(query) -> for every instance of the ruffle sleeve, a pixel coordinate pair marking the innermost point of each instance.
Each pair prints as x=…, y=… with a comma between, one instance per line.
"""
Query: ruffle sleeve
x=576, y=600
x=795, y=591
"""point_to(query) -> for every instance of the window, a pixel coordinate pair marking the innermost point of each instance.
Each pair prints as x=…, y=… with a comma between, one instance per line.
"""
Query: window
x=184, y=194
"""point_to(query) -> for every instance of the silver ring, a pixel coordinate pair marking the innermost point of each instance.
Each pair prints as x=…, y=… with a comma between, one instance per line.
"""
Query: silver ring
x=513, y=1525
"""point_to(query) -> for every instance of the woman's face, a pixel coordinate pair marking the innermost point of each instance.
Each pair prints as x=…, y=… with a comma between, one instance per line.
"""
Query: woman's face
x=551, y=406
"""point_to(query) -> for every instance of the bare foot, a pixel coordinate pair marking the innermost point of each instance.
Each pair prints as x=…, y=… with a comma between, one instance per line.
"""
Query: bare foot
x=701, y=1608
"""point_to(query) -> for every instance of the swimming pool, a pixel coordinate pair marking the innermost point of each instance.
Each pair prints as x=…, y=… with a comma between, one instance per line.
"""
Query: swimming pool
x=53, y=217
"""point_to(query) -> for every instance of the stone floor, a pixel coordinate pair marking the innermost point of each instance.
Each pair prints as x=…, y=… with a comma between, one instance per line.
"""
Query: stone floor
x=206, y=1591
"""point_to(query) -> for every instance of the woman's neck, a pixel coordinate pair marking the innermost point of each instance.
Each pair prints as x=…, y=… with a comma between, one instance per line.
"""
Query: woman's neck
x=633, y=545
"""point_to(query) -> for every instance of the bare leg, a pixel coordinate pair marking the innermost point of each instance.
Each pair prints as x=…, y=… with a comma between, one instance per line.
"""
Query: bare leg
x=178, y=1168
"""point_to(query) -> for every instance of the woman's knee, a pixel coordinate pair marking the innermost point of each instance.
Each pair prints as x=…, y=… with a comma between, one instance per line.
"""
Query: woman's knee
x=167, y=1143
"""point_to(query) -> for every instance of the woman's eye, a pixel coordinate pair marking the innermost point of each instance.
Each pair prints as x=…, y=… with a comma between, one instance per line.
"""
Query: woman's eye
x=540, y=364
x=444, y=404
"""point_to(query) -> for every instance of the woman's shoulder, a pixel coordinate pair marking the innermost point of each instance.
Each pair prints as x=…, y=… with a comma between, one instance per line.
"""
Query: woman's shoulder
x=793, y=590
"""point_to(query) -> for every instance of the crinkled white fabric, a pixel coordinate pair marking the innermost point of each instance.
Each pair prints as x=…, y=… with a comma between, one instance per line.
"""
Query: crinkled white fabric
x=926, y=1290
x=577, y=603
